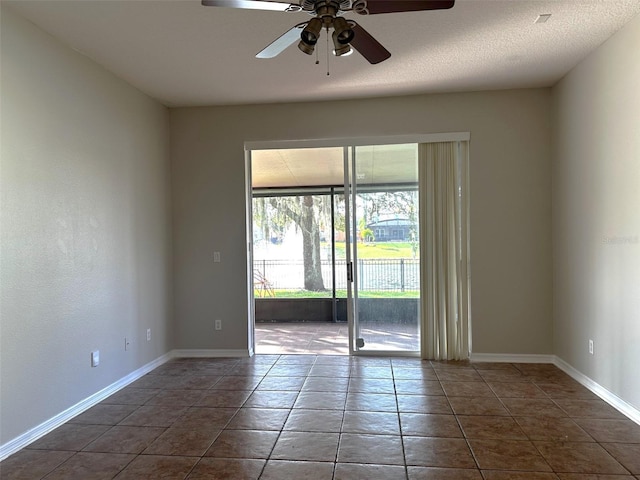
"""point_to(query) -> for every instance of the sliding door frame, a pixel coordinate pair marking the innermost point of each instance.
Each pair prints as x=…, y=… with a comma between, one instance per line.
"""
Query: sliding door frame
x=345, y=143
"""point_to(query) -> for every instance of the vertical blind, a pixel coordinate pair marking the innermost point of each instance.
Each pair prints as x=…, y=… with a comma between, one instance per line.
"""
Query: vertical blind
x=444, y=231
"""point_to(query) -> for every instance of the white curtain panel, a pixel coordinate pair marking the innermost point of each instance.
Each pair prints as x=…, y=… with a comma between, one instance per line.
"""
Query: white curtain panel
x=444, y=250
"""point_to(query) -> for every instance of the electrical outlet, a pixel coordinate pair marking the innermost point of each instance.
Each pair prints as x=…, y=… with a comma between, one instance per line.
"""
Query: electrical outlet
x=148, y=334
x=216, y=257
x=591, y=346
x=218, y=324
x=126, y=344
x=95, y=358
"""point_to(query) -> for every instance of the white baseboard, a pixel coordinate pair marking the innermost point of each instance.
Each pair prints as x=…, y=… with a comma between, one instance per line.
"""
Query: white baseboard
x=511, y=358
x=39, y=431
x=210, y=353
x=611, y=398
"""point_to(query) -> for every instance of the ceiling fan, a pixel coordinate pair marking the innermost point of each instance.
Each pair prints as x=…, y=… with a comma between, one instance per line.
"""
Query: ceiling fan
x=328, y=14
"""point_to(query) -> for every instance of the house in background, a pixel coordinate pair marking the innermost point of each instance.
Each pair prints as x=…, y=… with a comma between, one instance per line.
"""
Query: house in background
x=114, y=197
x=391, y=230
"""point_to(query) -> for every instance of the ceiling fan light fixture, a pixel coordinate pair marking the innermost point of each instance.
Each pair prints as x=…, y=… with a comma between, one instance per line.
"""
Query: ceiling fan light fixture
x=340, y=48
x=342, y=31
x=304, y=48
x=310, y=33
x=343, y=51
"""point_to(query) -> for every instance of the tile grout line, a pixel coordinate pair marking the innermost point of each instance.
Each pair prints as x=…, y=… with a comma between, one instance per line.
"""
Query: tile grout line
x=395, y=394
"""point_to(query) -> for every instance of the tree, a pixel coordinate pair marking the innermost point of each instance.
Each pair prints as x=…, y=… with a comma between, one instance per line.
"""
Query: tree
x=365, y=234
x=306, y=213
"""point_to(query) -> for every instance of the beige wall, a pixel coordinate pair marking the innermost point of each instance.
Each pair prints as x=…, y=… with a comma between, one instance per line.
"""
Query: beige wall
x=596, y=215
x=510, y=205
x=85, y=231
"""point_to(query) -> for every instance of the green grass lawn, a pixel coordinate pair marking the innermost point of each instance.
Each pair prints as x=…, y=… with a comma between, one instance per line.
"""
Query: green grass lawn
x=379, y=250
x=339, y=294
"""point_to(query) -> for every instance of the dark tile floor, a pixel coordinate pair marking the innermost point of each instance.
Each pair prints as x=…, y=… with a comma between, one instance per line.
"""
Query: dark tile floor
x=342, y=418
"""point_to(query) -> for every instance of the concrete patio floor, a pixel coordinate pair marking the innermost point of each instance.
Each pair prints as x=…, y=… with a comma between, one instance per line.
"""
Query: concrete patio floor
x=325, y=338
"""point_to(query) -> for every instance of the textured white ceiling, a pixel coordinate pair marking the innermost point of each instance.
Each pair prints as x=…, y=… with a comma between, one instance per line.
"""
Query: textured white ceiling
x=184, y=54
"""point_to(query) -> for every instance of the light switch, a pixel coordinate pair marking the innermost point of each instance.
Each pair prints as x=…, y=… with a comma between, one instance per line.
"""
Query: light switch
x=216, y=257
x=95, y=358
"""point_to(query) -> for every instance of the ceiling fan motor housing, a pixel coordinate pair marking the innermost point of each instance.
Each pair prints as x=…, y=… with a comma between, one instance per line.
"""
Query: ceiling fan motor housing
x=312, y=6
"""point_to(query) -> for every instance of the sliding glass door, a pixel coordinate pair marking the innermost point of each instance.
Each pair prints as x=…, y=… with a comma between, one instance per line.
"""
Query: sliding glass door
x=335, y=239
x=382, y=248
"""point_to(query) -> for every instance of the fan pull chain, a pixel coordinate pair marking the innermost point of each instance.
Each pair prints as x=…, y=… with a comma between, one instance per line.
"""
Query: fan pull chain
x=327, y=51
x=317, y=60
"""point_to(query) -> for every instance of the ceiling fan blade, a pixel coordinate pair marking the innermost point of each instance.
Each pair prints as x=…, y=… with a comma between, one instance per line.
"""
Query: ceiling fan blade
x=254, y=5
x=368, y=46
x=282, y=42
x=373, y=7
